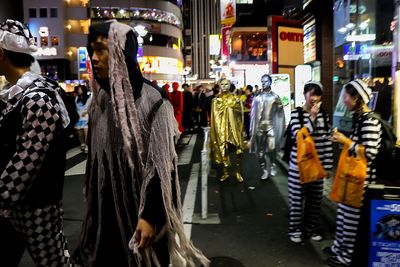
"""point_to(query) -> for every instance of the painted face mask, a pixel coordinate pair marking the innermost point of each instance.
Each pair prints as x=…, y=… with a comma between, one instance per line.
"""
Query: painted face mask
x=225, y=85
x=266, y=82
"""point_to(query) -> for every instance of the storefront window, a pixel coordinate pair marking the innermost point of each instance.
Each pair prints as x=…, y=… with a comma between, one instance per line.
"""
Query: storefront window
x=363, y=49
x=53, y=12
x=43, y=12
x=44, y=41
x=249, y=46
x=32, y=13
x=54, y=41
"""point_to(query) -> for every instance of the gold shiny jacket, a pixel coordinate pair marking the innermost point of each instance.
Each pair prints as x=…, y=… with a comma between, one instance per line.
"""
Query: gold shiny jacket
x=226, y=126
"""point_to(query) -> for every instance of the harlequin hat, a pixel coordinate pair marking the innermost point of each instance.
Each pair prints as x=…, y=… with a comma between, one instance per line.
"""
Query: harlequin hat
x=16, y=37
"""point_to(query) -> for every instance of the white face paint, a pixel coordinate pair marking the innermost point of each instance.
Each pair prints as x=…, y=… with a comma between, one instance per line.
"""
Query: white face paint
x=225, y=85
x=265, y=83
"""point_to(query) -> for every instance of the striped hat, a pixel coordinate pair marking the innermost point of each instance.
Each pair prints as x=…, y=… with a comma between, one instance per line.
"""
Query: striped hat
x=16, y=37
x=362, y=88
x=314, y=83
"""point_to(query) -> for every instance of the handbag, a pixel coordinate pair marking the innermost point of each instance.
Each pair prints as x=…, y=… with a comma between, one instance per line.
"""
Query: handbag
x=348, y=186
x=310, y=167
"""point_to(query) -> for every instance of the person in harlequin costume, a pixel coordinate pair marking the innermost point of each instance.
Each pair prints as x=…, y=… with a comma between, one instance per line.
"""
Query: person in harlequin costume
x=177, y=103
x=266, y=126
x=33, y=123
x=227, y=129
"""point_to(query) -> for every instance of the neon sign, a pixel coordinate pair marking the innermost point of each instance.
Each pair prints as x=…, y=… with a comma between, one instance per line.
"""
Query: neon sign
x=48, y=51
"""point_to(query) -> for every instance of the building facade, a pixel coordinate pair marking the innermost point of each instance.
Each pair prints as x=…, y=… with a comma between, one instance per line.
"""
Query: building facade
x=60, y=28
x=160, y=53
x=316, y=20
x=201, y=21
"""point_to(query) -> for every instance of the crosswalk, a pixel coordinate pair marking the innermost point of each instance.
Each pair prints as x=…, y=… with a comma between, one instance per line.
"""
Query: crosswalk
x=78, y=169
x=184, y=158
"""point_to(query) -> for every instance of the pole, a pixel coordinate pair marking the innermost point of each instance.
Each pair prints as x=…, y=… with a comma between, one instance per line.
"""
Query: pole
x=205, y=161
x=396, y=69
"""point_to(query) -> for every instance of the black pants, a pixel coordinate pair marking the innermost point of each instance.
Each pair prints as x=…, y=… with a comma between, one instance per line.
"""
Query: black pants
x=12, y=246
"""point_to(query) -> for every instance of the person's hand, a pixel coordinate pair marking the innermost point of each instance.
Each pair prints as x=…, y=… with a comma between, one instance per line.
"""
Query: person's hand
x=339, y=137
x=144, y=234
x=278, y=101
x=314, y=111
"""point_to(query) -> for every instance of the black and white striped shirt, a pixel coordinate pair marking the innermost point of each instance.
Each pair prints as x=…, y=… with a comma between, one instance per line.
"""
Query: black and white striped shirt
x=370, y=138
x=319, y=131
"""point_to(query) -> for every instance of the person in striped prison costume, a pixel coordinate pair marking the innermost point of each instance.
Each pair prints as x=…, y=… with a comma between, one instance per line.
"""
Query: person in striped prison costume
x=356, y=97
x=305, y=199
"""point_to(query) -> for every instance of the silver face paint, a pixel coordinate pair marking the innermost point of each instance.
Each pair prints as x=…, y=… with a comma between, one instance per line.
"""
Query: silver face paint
x=265, y=83
x=267, y=124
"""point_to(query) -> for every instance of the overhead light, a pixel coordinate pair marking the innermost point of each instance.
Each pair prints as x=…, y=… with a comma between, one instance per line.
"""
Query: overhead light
x=69, y=27
x=363, y=25
x=342, y=30
x=141, y=30
x=350, y=26
x=361, y=38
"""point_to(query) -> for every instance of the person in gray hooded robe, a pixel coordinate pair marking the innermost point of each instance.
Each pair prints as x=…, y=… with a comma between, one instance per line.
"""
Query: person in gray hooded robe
x=132, y=187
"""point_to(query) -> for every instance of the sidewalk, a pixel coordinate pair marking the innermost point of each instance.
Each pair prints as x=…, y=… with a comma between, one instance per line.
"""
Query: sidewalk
x=254, y=222
x=328, y=206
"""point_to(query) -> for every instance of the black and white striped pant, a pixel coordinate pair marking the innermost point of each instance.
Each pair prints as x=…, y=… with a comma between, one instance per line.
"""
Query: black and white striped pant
x=347, y=221
x=304, y=203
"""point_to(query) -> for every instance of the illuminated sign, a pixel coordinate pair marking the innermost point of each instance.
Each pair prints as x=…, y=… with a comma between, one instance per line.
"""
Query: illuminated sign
x=361, y=38
x=309, y=42
x=226, y=37
x=48, y=51
x=44, y=31
x=215, y=44
x=356, y=51
x=228, y=12
x=290, y=46
x=161, y=65
x=82, y=58
x=291, y=36
x=302, y=74
x=281, y=86
x=382, y=54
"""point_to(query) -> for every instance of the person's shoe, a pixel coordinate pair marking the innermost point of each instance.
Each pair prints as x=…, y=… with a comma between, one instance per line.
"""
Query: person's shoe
x=328, y=251
x=316, y=237
x=265, y=175
x=86, y=150
x=273, y=170
x=239, y=177
x=224, y=177
x=334, y=262
x=296, y=238
x=83, y=147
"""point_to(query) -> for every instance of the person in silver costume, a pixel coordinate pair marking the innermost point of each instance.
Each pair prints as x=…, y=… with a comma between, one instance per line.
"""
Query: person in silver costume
x=266, y=126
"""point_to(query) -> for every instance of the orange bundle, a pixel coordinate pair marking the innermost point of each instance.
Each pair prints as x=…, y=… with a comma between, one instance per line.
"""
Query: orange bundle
x=310, y=167
x=348, y=186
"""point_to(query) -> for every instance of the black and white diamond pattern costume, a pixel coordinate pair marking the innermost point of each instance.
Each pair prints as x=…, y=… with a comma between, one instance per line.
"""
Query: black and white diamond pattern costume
x=30, y=195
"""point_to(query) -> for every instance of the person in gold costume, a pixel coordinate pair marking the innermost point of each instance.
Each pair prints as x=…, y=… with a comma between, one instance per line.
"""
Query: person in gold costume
x=227, y=129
